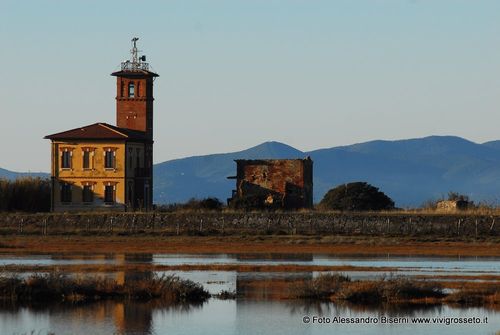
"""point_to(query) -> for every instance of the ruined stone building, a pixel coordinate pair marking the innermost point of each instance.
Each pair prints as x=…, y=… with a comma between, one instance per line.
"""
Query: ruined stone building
x=273, y=183
x=110, y=167
x=452, y=205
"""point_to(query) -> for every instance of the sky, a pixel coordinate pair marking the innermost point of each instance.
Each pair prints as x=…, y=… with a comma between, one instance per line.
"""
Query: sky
x=233, y=74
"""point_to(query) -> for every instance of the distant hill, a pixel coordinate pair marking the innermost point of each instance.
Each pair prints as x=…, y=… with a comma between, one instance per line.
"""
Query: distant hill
x=410, y=171
x=11, y=175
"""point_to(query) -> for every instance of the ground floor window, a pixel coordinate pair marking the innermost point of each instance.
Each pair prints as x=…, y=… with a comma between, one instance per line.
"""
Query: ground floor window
x=109, y=193
x=65, y=192
x=88, y=194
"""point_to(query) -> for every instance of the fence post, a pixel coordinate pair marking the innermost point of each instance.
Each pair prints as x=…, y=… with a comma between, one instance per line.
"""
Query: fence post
x=476, y=228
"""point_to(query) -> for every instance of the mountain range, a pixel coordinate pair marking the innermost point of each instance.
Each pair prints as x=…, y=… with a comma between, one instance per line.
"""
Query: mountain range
x=409, y=171
x=6, y=174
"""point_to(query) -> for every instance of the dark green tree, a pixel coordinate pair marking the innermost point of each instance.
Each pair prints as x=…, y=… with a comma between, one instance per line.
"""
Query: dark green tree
x=357, y=196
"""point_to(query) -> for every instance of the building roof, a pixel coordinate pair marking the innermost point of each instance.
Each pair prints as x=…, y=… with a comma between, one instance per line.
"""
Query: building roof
x=135, y=73
x=99, y=131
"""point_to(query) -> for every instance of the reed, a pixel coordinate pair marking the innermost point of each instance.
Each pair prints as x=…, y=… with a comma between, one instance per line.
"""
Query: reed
x=389, y=291
x=321, y=287
x=340, y=288
x=475, y=296
x=58, y=287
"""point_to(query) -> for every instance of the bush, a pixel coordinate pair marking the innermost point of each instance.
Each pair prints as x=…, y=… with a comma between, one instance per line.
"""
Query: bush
x=207, y=204
x=249, y=203
x=25, y=194
x=455, y=196
x=357, y=196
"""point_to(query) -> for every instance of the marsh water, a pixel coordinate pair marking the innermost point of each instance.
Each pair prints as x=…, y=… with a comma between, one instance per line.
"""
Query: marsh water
x=254, y=311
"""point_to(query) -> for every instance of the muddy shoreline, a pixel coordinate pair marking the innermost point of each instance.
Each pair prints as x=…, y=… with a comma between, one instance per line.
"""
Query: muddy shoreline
x=341, y=245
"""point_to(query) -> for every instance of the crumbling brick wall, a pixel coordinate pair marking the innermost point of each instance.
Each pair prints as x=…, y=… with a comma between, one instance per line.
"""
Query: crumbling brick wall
x=275, y=183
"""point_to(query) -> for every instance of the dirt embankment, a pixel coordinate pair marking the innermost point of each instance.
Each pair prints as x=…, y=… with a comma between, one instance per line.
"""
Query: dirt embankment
x=363, y=245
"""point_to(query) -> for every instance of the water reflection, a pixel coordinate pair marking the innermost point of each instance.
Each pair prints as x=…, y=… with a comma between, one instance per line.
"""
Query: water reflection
x=258, y=308
x=105, y=317
x=409, y=265
x=241, y=316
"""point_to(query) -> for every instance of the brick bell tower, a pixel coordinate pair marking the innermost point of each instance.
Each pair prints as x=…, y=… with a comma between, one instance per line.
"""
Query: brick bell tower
x=134, y=93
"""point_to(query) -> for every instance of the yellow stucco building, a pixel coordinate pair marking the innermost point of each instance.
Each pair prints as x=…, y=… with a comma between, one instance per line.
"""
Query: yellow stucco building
x=102, y=166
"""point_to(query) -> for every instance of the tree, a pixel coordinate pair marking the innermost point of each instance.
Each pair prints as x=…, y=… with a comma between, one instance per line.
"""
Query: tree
x=357, y=196
x=455, y=196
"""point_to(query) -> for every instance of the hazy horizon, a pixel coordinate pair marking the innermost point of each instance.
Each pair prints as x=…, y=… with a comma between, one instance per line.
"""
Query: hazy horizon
x=274, y=141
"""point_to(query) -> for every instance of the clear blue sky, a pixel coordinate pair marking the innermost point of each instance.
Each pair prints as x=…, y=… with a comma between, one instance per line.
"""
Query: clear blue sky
x=234, y=73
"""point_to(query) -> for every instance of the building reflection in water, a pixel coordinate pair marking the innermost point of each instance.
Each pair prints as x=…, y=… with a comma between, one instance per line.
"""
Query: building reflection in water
x=133, y=318
x=268, y=285
x=127, y=317
x=137, y=318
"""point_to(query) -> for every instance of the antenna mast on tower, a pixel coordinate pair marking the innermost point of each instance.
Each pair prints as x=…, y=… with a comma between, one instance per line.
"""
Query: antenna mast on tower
x=136, y=63
x=134, y=50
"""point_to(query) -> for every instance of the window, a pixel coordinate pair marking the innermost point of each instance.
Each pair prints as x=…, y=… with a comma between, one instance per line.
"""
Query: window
x=66, y=160
x=65, y=192
x=109, y=194
x=131, y=90
x=109, y=159
x=88, y=195
x=86, y=159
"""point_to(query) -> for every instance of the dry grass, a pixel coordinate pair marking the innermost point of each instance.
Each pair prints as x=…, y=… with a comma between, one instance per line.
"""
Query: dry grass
x=321, y=287
x=475, y=296
x=339, y=287
x=58, y=287
x=389, y=291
